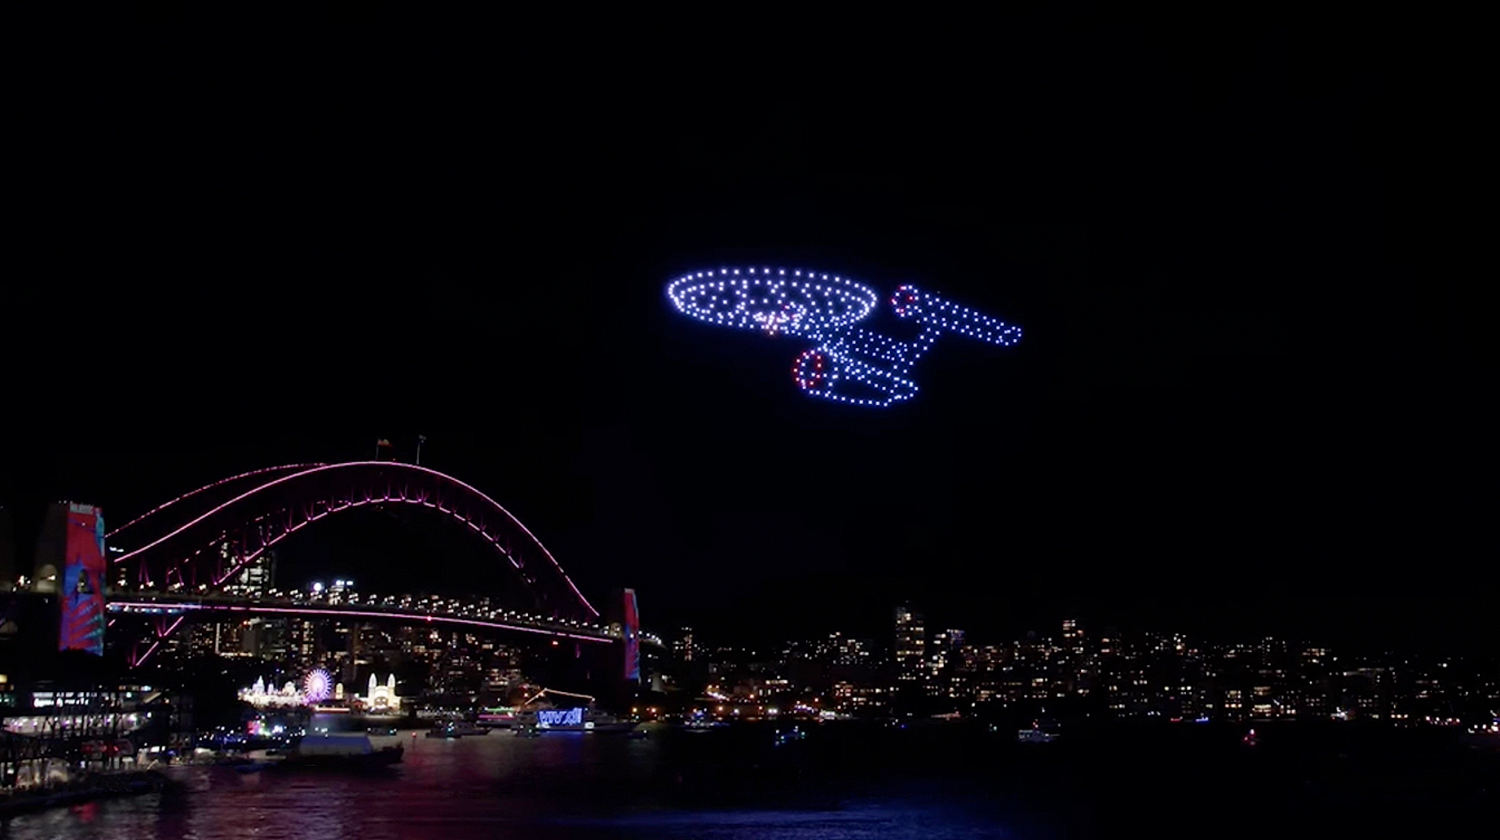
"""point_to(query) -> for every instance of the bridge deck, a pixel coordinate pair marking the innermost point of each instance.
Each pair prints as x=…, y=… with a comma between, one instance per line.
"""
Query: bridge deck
x=451, y=612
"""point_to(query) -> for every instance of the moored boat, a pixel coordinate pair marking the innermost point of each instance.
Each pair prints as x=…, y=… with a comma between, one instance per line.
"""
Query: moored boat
x=456, y=729
x=345, y=749
x=574, y=719
x=1036, y=735
x=1483, y=735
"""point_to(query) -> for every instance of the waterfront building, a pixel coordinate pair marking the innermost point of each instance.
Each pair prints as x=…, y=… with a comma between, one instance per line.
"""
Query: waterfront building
x=852, y=698
x=381, y=697
x=264, y=695
x=52, y=732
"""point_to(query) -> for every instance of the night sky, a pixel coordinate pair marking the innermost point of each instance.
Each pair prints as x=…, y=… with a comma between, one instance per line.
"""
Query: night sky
x=1231, y=412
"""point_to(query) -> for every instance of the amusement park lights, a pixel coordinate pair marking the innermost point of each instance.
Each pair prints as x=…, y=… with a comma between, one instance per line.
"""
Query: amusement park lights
x=317, y=686
x=847, y=363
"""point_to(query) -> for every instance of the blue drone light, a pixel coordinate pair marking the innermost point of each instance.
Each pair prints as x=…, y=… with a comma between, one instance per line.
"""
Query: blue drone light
x=847, y=363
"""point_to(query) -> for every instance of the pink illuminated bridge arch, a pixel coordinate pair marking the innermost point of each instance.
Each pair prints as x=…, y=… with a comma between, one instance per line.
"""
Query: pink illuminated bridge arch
x=288, y=498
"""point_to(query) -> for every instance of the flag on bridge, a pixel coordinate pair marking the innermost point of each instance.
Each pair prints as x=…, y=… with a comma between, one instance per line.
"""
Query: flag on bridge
x=382, y=448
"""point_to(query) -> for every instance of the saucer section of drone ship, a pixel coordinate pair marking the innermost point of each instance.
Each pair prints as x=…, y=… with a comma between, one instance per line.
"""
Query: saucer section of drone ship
x=777, y=301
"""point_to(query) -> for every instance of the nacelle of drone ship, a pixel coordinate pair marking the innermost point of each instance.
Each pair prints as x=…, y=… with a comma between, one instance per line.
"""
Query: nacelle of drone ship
x=938, y=313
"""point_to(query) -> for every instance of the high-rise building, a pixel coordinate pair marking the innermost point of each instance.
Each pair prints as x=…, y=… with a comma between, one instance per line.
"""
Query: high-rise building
x=271, y=638
x=683, y=647
x=910, y=645
x=254, y=578
x=1072, y=636
x=200, y=640
x=301, y=642
x=1075, y=671
x=234, y=638
x=942, y=660
x=343, y=655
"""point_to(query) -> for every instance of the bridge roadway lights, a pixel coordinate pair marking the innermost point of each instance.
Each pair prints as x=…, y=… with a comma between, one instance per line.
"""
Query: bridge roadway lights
x=166, y=606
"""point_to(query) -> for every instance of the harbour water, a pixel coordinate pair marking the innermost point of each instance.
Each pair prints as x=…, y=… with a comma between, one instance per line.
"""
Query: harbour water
x=841, y=782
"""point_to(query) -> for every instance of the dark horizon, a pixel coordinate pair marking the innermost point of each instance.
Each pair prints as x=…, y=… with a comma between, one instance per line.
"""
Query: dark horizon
x=761, y=610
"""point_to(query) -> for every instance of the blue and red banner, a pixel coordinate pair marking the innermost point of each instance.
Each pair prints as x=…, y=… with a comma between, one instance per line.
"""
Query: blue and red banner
x=632, y=633
x=81, y=590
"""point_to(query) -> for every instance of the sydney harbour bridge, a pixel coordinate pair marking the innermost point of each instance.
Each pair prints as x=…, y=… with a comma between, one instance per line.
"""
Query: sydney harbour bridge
x=178, y=562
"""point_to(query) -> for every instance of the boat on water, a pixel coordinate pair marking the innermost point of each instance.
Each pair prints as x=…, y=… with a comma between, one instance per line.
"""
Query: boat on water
x=340, y=750
x=1035, y=735
x=497, y=718
x=573, y=719
x=456, y=729
x=1483, y=735
x=791, y=735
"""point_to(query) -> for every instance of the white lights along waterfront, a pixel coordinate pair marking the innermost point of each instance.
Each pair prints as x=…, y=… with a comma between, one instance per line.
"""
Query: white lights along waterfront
x=846, y=364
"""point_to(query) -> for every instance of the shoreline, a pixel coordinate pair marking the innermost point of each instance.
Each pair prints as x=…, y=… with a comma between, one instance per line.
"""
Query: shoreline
x=90, y=789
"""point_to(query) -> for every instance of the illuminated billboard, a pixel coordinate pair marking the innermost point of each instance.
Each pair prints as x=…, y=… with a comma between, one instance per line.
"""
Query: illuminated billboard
x=632, y=633
x=559, y=717
x=80, y=592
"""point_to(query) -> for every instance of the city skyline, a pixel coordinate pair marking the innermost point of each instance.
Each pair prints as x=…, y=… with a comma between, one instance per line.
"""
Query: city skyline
x=340, y=549
x=921, y=666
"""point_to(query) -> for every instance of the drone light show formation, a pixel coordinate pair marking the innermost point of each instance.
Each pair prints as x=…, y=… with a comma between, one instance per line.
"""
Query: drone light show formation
x=846, y=363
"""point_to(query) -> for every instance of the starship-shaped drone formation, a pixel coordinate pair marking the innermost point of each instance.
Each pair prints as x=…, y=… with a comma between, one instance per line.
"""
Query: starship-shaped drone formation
x=847, y=363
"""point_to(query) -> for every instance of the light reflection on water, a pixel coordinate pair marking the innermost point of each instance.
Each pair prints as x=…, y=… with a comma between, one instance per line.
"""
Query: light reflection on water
x=562, y=786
